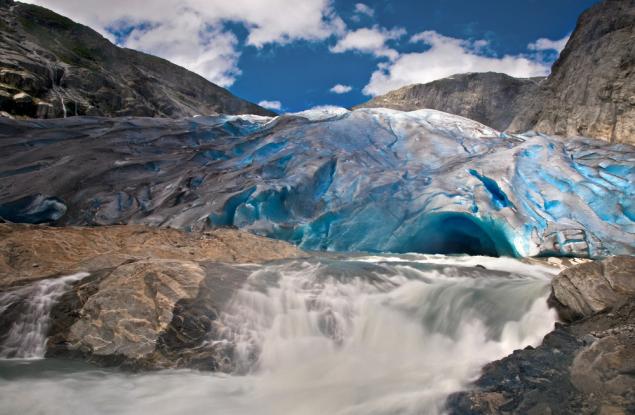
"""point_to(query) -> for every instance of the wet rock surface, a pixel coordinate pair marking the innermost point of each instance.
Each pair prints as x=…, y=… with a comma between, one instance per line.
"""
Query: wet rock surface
x=152, y=297
x=584, y=367
x=148, y=314
x=52, y=67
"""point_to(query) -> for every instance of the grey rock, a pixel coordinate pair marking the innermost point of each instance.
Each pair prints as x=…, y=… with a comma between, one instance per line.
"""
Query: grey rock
x=152, y=298
x=79, y=72
x=490, y=98
x=585, y=367
x=587, y=289
x=591, y=89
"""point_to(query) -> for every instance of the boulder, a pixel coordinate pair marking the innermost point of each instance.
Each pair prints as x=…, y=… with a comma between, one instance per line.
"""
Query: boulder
x=131, y=306
x=152, y=297
x=590, y=288
x=584, y=367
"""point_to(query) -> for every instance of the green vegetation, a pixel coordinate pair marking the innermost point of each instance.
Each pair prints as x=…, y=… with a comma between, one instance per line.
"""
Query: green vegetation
x=33, y=16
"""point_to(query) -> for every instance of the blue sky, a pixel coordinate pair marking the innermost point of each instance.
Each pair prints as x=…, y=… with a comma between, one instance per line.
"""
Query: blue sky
x=297, y=54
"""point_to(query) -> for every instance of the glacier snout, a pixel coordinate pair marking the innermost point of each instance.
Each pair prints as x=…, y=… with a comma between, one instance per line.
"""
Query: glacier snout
x=366, y=180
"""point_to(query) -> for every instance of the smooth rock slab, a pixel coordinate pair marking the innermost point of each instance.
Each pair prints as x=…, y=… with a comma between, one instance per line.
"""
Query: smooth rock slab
x=586, y=289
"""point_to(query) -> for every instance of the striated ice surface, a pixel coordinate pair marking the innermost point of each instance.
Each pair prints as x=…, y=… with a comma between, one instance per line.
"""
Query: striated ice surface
x=332, y=179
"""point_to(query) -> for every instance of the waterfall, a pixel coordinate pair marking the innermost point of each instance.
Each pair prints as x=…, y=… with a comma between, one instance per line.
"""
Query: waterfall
x=56, y=86
x=346, y=336
x=26, y=339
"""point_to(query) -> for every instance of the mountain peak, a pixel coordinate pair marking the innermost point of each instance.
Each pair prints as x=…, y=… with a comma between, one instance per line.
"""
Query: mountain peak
x=52, y=67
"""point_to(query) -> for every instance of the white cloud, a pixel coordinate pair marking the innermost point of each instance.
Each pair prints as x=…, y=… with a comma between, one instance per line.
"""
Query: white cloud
x=272, y=105
x=211, y=53
x=446, y=56
x=361, y=8
x=341, y=89
x=191, y=32
x=369, y=40
x=548, y=44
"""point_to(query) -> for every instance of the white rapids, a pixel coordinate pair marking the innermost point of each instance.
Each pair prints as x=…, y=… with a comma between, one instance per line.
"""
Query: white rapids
x=346, y=336
x=26, y=338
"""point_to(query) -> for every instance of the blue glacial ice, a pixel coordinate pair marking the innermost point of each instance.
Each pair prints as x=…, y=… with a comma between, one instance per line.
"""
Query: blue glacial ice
x=364, y=180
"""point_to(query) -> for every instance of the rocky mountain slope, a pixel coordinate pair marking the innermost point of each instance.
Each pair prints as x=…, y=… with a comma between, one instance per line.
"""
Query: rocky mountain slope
x=493, y=99
x=51, y=67
x=590, y=91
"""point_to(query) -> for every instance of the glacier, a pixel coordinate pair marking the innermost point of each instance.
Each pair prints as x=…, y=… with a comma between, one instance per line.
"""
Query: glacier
x=373, y=180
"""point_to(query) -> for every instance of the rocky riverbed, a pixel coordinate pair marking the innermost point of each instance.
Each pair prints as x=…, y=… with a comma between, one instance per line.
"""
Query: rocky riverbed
x=140, y=298
x=586, y=365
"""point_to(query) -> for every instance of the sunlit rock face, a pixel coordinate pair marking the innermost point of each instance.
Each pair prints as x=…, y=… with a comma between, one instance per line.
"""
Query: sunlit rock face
x=366, y=180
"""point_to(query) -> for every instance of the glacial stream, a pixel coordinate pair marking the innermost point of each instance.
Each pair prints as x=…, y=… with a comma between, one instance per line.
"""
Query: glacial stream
x=333, y=335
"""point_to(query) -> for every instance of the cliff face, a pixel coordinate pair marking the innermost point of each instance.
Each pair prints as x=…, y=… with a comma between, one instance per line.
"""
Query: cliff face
x=493, y=99
x=591, y=90
x=51, y=66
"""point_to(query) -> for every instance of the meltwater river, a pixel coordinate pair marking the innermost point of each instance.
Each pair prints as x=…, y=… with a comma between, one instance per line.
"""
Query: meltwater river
x=332, y=335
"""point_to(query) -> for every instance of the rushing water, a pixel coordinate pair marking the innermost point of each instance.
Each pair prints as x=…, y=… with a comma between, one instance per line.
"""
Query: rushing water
x=26, y=338
x=362, y=335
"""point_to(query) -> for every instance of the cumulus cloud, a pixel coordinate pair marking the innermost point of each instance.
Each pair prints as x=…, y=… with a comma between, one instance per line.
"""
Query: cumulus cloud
x=446, y=56
x=341, y=89
x=213, y=53
x=191, y=32
x=369, y=40
x=543, y=44
x=363, y=9
x=272, y=105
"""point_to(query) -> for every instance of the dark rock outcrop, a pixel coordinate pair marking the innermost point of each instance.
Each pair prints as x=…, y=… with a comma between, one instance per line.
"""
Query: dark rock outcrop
x=493, y=99
x=590, y=92
x=585, y=367
x=591, y=89
x=51, y=66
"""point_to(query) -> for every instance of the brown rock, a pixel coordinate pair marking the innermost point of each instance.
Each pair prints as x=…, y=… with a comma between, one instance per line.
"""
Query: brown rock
x=132, y=306
x=73, y=249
